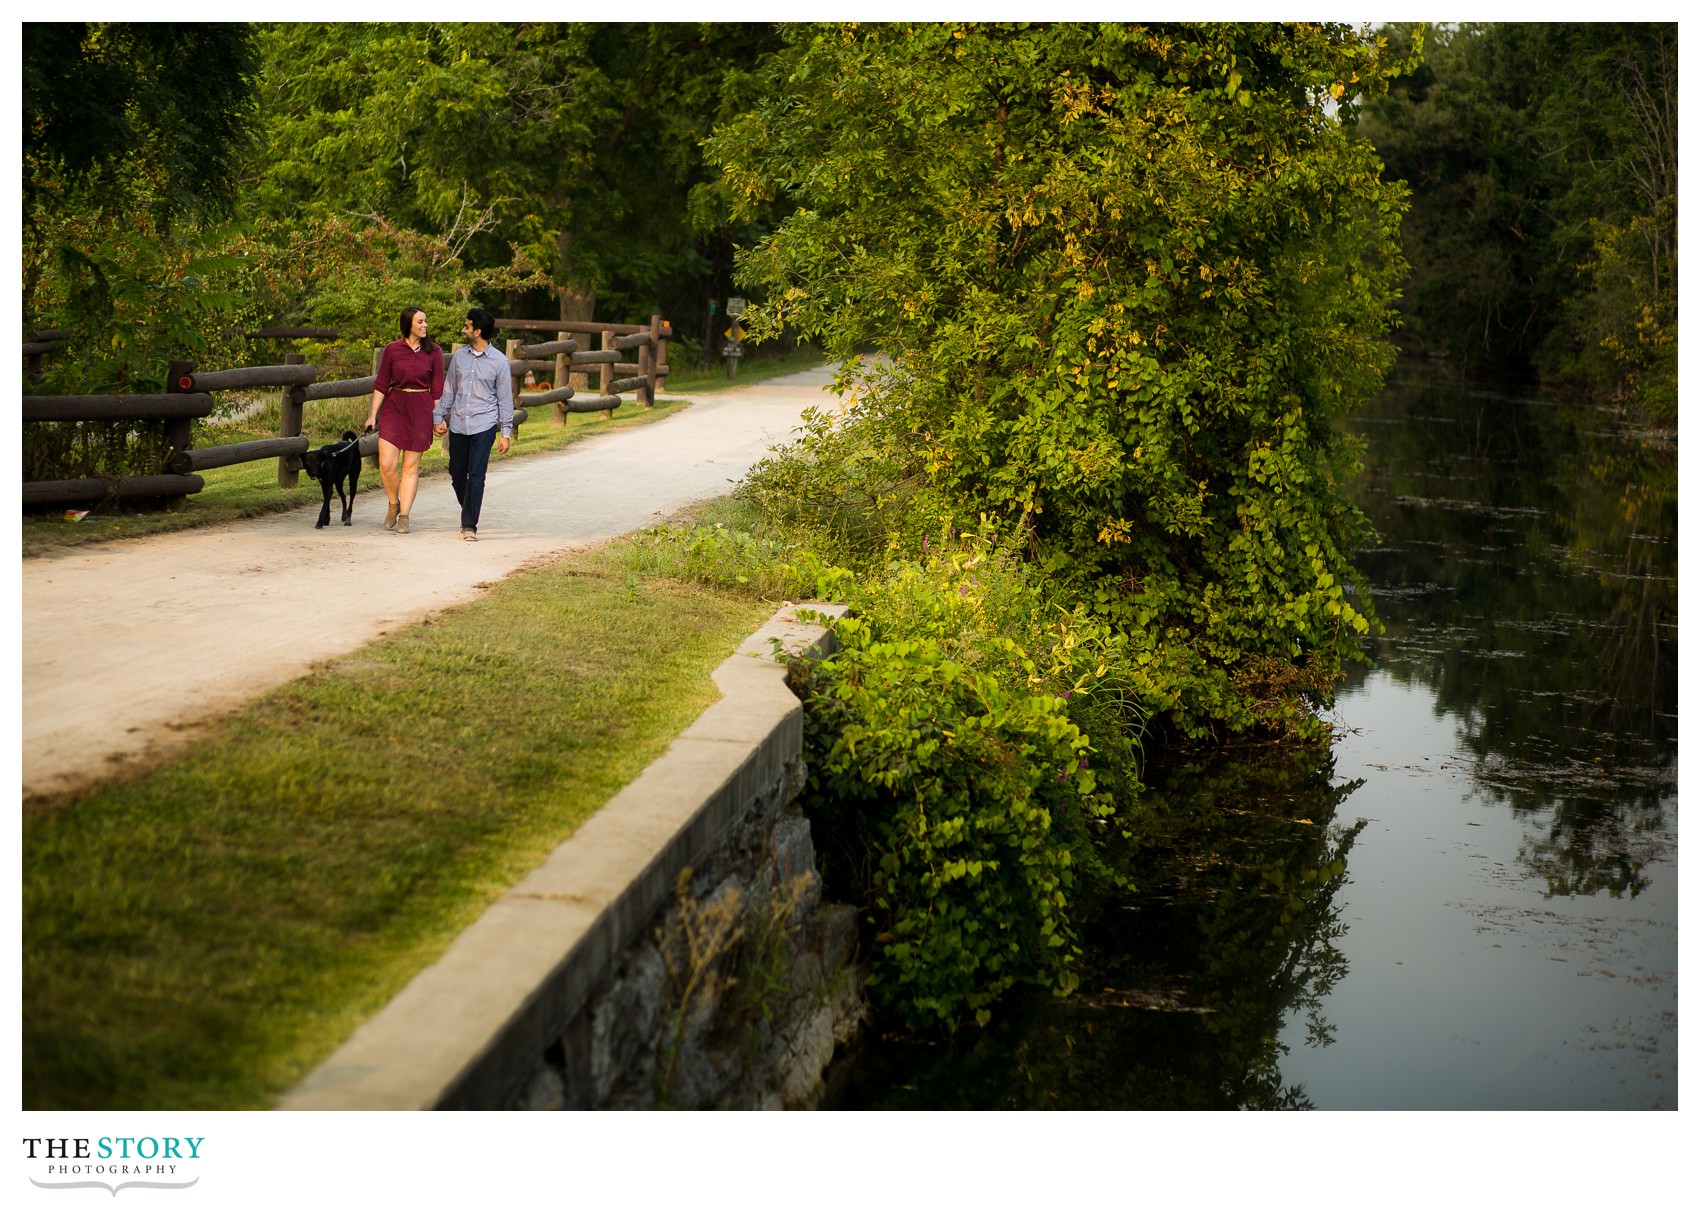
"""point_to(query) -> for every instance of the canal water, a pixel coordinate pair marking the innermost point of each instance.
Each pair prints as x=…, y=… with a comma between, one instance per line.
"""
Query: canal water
x=1468, y=901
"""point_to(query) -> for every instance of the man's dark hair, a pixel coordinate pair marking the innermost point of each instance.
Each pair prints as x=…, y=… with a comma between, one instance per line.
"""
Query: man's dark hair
x=483, y=321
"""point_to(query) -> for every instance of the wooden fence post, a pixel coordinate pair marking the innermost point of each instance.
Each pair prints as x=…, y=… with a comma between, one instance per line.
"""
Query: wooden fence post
x=179, y=431
x=512, y=351
x=290, y=414
x=607, y=374
x=649, y=360
x=563, y=378
x=44, y=341
x=659, y=326
x=578, y=380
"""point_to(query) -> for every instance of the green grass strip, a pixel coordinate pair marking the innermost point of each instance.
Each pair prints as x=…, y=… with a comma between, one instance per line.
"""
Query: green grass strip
x=201, y=936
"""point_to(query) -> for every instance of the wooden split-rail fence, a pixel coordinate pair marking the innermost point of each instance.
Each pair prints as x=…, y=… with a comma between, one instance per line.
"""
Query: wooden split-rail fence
x=631, y=360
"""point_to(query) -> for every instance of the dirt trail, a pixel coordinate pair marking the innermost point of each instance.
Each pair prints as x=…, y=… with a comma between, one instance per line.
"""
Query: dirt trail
x=127, y=647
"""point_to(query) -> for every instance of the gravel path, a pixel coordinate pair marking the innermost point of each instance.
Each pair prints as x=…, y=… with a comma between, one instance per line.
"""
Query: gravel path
x=128, y=647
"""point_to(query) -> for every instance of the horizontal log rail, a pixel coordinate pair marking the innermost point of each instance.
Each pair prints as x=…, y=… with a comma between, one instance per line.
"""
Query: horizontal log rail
x=340, y=389
x=594, y=404
x=552, y=396
x=548, y=349
x=293, y=375
x=117, y=408
x=318, y=334
x=70, y=492
x=199, y=459
x=299, y=383
x=576, y=326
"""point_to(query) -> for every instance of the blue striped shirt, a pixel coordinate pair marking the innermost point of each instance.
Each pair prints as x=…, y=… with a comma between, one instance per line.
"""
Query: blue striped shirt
x=478, y=392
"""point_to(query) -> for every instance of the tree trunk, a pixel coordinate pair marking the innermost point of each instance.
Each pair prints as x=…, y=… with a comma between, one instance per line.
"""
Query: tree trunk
x=577, y=305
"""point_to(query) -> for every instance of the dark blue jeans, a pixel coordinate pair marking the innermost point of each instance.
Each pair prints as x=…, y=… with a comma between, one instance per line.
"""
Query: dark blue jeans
x=469, y=459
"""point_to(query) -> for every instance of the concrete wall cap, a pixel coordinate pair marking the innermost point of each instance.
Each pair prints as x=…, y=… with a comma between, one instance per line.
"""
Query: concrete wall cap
x=539, y=950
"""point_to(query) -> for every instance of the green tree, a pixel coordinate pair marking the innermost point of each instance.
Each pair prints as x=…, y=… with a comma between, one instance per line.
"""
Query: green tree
x=133, y=135
x=108, y=105
x=1542, y=231
x=1127, y=279
x=577, y=144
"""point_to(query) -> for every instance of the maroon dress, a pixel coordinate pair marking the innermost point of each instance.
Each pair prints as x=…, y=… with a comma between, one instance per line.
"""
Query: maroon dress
x=412, y=383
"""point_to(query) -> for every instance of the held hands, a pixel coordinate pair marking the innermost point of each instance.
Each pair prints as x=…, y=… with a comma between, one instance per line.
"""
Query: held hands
x=441, y=428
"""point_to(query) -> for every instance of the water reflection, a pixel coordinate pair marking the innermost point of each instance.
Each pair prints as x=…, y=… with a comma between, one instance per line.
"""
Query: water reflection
x=1504, y=787
x=1512, y=906
x=1527, y=577
x=1232, y=934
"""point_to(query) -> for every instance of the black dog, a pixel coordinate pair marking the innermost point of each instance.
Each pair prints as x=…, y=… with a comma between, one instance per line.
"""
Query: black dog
x=331, y=465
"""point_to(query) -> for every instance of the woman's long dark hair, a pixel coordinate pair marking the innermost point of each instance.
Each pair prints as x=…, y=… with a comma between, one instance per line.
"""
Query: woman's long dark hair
x=426, y=345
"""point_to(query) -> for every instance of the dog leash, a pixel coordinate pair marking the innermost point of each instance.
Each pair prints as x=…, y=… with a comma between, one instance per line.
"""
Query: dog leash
x=339, y=450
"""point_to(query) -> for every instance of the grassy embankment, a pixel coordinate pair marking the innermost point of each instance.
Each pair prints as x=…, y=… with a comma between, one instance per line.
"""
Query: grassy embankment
x=250, y=489
x=201, y=935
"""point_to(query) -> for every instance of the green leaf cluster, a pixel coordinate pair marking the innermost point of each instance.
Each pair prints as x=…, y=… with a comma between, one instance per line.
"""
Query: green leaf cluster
x=574, y=144
x=1104, y=294
x=1542, y=160
x=133, y=296
x=951, y=772
x=109, y=103
x=1125, y=281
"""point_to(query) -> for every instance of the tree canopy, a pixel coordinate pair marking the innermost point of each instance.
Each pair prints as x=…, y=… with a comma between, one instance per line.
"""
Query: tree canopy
x=1542, y=232
x=1127, y=277
x=574, y=143
x=107, y=105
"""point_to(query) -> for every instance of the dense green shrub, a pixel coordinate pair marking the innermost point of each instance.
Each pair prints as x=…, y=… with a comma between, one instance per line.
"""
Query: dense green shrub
x=1122, y=282
x=1125, y=280
x=950, y=773
x=955, y=782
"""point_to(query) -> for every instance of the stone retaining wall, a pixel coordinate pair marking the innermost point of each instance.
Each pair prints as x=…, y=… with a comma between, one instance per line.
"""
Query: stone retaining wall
x=674, y=952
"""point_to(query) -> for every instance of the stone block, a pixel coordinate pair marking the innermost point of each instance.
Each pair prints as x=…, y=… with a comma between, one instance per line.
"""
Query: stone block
x=624, y=1022
x=546, y=1092
x=836, y=927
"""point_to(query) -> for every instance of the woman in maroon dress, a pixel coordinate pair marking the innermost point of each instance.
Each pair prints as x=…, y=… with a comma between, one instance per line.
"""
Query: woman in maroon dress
x=409, y=383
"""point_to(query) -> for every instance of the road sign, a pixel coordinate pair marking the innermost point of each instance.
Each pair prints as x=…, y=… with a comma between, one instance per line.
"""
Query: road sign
x=734, y=306
x=735, y=333
x=732, y=349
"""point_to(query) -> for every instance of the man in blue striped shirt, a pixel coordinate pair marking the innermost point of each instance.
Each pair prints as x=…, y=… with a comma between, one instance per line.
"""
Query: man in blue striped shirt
x=477, y=401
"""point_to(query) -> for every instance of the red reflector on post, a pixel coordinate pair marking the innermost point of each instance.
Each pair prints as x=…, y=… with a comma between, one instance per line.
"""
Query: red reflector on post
x=185, y=382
